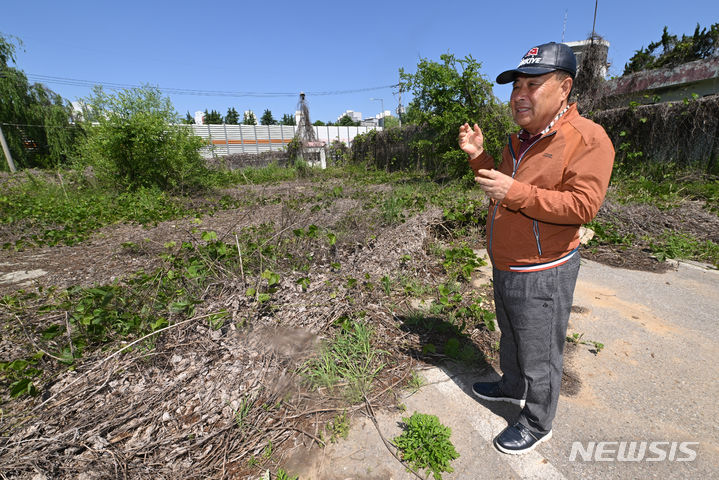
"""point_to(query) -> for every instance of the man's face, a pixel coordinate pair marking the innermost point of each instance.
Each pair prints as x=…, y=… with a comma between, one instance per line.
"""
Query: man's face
x=535, y=100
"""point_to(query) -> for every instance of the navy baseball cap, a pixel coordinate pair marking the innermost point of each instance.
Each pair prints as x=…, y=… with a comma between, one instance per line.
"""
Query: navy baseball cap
x=542, y=59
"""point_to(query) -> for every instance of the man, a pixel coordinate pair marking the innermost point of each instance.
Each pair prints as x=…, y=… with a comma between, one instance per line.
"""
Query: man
x=552, y=178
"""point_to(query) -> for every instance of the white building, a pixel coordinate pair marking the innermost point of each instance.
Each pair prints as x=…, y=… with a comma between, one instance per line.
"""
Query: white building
x=355, y=116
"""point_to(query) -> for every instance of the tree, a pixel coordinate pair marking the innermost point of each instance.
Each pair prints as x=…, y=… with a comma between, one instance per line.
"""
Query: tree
x=390, y=122
x=189, y=119
x=213, y=118
x=232, y=117
x=267, y=118
x=318, y=123
x=445, y=95
x=346, y=121
x=249, y=118
x=702, y=44
x=288, y=119
x=133, y=140
x=39, y=131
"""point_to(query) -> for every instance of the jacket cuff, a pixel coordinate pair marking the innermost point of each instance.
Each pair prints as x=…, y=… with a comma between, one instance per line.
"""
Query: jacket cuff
x=481, y=161
x=518, y=195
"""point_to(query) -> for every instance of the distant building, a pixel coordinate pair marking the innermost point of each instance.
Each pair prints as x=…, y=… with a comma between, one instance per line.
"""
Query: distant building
x=580, y=47
x=355, y=116
x=371, y=122
x=199, y=117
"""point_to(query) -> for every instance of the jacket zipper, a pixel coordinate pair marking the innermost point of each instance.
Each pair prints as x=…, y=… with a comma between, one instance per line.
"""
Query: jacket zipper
x=515, y=167
x=535, y=229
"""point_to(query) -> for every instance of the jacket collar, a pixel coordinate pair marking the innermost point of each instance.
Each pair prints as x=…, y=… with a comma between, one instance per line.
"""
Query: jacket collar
x=566, y=112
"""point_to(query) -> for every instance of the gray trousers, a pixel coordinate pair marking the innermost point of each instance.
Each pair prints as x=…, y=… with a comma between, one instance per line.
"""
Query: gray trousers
x=533, y=311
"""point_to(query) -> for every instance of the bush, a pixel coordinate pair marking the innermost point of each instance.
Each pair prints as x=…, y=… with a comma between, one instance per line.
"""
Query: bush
x=446, y=94
x=132, y=139
x=425, y=443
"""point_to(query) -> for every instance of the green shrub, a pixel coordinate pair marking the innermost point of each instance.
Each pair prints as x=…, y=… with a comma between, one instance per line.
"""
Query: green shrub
x=425, y=444
x=132, y=140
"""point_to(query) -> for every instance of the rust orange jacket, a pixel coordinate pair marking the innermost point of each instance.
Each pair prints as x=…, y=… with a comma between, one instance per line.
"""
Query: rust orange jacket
x=560, y=183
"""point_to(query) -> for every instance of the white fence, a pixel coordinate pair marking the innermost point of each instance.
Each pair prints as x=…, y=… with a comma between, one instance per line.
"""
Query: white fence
x=228, y=139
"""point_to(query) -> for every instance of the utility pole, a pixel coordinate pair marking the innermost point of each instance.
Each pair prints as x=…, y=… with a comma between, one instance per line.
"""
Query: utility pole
x=399, y=109
x=381, y=117
x=6, y=149
x=594, y=23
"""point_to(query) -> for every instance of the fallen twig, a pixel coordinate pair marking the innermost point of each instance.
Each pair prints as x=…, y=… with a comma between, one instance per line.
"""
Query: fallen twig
x=370, y=413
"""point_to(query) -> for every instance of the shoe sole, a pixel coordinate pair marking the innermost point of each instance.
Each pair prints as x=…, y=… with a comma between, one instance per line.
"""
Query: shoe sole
x=526, y=450
x=516, y=401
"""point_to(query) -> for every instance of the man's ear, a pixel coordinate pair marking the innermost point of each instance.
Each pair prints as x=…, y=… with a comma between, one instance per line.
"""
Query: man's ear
x=566, y=87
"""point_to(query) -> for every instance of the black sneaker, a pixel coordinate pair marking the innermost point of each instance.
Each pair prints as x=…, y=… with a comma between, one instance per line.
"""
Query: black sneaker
x=491, y=391
x=517, y=439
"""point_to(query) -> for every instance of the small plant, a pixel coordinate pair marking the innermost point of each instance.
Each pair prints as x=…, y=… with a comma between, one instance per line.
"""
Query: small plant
x=416, y=381
x=577, y=338
x=460, y=262
x=386, y=285
x=349, y=359
x=449, y=298
x=244, y=410
x=267, y=451
x=338, y=427
x=425, y=444
x=282, y=475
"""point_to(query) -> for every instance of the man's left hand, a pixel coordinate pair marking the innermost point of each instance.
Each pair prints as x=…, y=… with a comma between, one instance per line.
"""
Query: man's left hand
x=494, y=183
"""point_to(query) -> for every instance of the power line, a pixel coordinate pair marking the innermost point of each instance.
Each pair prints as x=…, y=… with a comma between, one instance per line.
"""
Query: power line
x=39, y=126
x=186, y=91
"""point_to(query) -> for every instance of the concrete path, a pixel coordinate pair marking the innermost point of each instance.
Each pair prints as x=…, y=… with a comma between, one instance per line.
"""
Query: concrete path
x=655, y=380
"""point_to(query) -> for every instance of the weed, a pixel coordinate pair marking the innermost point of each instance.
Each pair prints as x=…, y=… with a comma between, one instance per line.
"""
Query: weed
x=267, y=451
x=416, y=381
x=282, y=475
x=386, y=285
x=338, y=427
x=349, y=358
x=608, y=233
x=20, y=374
x=460, y=262
x=245, y=407
x=577, y=338
x=425, y=444
x=682, y=245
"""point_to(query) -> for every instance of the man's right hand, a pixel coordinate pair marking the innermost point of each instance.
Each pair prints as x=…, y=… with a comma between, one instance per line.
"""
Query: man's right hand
x=471, y=140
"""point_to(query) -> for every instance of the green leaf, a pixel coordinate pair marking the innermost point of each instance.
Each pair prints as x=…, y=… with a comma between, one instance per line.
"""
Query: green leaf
x=22, y=387
x=209, y=236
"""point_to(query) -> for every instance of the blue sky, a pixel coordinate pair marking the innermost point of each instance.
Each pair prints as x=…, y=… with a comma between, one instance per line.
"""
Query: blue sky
x=285, y=47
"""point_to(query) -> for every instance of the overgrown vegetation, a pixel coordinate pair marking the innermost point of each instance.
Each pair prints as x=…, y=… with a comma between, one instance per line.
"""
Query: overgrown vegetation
x=670, y=136
x=67, y=208
x=445, y=95
x=331, y=255
x=670, y=50
x=348, y=360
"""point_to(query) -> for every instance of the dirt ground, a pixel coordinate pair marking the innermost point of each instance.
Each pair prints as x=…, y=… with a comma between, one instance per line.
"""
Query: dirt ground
x=172, y=410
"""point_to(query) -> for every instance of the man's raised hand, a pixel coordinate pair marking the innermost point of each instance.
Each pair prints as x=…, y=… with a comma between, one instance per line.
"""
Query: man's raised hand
x=471, y=140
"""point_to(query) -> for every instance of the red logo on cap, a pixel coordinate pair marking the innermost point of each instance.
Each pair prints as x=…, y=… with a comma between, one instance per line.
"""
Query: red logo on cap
x=533, y=51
